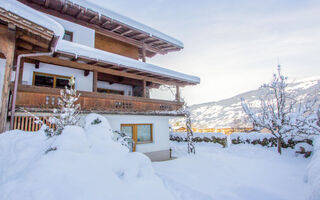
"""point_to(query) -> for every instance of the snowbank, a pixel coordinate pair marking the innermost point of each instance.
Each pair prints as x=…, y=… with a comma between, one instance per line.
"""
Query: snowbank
x=81, y=163
x=313, y=171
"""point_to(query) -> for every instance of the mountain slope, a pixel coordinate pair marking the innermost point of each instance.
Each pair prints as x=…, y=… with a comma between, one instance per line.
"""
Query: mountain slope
x=228, y=112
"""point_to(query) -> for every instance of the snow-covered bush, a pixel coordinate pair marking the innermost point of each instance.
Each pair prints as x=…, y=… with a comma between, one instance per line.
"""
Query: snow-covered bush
x=263, y=139
x=313, y=171
x=123, y=139
x=87, y=164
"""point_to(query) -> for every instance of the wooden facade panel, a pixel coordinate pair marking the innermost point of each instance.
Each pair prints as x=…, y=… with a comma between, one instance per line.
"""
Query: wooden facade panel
x=115, y=46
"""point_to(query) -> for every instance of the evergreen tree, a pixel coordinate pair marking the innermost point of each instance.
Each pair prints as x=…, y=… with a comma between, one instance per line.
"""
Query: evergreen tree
x=68, y=112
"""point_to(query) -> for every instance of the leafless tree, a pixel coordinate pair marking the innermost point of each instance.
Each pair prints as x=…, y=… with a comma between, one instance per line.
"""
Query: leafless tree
x=191, y=147
x=275, y=109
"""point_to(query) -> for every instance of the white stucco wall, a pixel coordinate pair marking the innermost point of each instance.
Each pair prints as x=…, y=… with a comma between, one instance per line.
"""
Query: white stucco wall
x=83, y=83
x=81, y=34
x=126, y=88
x=160, y=130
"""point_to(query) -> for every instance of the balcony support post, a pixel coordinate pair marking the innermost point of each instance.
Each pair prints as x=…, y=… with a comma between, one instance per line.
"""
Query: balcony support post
x=177, y=93
x=144, y=89
x=143, y=52
x=7, y=47
x=95, y=81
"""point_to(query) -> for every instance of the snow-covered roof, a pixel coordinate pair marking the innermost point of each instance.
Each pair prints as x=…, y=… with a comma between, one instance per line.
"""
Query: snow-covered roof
x=96, y=54
x=32, y=15
x=128, y=21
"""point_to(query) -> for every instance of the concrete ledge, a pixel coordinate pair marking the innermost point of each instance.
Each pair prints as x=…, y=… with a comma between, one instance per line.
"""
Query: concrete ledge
x=159, y=155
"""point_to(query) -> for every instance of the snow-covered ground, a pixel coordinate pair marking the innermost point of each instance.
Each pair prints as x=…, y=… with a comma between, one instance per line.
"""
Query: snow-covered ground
x=87, y=164
x=241, y=172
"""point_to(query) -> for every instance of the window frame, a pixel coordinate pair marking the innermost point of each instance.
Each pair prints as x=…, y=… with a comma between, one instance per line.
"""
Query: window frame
x=68, y=33
x=135, y=132
x=55, y=76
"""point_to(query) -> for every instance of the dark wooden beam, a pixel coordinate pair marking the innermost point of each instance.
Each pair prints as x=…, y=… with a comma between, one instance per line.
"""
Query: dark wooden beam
x=81, y=12
x=105, y=23
x=116, y=28
x=126, y=32
x=37, y=65
x=25, y=45
x=34, y=41
x=167, y=47
x=93, y=19
x=86, y=72
x=47, y=3
x=64, y=8
x=152, y=41
x=92, y=63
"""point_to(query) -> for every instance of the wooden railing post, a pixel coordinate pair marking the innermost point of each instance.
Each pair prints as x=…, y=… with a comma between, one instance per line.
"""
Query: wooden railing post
x=95, y=80
x=7, y=43
x=177, y=93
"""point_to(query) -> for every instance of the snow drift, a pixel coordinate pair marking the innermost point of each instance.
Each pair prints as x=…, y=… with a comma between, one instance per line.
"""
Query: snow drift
x=81, y=163
x=313, y=171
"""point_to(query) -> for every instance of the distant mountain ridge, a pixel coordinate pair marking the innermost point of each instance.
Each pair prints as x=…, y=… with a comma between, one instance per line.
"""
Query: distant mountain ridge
x=227, y=113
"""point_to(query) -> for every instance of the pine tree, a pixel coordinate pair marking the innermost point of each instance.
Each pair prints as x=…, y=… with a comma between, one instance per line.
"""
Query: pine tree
x=68, y=112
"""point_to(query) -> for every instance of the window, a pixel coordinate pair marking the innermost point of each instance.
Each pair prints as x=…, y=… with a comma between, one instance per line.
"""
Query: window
x=140, y=133
x=109, y=91
x=68, y=35
x=50, y=80
x=144, y=133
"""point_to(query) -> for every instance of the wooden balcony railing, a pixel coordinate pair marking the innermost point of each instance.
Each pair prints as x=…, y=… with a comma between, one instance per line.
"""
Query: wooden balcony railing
x=42, y=99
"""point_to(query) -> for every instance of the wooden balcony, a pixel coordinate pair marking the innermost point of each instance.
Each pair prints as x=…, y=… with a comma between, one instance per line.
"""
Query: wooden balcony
x=42, y=99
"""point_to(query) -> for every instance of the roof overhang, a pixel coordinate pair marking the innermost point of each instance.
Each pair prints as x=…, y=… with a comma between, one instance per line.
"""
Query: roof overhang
x=92, y=56
x=109, y=23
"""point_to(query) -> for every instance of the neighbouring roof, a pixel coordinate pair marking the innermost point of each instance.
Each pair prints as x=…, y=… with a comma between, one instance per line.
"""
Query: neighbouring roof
x=121, y=61
x=108, y=22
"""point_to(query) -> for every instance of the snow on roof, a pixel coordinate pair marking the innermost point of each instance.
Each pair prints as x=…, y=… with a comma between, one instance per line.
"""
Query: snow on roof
x=125, y=20
x=81, y=50
x=32, y=15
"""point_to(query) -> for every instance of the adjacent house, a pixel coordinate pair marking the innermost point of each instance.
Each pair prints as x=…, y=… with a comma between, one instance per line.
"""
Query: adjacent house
x=44, y=42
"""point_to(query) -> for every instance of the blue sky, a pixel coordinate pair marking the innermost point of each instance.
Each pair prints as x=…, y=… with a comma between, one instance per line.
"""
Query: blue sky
x=232, y=45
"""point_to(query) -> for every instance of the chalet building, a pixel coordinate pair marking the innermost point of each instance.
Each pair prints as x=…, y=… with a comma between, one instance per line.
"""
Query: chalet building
x=44, y=42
